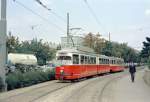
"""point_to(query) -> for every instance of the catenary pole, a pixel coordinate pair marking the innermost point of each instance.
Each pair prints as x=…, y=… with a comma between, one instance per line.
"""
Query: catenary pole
x=68, y=29
x=3, y=37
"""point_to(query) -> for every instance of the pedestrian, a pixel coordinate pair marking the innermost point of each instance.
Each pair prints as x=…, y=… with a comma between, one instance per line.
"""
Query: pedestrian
x=132, y=70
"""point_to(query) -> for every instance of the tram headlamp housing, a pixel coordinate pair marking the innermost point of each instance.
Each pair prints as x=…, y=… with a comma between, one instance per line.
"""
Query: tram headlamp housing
x=61, y=71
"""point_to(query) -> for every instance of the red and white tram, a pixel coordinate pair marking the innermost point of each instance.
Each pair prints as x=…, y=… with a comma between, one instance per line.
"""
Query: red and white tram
x=75, y=64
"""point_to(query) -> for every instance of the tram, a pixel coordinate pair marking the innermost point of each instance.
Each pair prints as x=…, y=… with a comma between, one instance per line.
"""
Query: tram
x=77, y=63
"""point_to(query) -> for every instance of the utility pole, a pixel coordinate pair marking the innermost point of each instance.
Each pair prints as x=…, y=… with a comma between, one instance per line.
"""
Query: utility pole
x=3, y=37
x=68, y=29
x=109, y=36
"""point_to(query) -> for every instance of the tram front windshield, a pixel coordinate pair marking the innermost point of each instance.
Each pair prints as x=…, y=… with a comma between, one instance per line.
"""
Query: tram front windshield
x=64, y=60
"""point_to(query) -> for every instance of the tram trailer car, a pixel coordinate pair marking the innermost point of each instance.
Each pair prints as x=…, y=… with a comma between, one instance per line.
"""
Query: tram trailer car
x=76, y=64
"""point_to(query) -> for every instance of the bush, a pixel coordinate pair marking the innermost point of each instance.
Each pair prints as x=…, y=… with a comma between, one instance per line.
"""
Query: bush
x=1, y=84
x=148, y=63
x=18, y=79
x=14, y=80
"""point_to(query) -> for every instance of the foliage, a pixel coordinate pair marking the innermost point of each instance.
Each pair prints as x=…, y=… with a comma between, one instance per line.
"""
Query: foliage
x=18, y=79
x=95, y=42
x=42, y=50
x=102, y=46
x=13, y=43
x=145, y=53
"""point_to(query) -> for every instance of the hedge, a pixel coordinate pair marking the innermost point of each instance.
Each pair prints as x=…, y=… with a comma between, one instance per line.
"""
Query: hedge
x=18, y=79
x=148, y=62
x=1, y=84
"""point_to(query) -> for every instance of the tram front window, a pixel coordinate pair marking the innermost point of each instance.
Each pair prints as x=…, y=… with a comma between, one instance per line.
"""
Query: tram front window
x=64, y=60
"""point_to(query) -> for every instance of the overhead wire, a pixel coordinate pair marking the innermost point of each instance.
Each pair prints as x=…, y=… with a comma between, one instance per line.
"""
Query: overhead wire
x=94, y=15
x=50, y=10
x=41, y=3
x=43, y=18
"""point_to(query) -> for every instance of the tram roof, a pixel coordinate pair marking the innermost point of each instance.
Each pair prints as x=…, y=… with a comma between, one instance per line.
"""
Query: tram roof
x=73, y=50
x=78, y=49
x=115, y=58
x=86, y=52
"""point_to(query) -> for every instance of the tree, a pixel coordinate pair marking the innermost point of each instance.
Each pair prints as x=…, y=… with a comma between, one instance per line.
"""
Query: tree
x=95, y=42
x=13, y=43
x=107, y=50
x=102, y=46
x=145, y=53
x=89, y=40
x=41, y=50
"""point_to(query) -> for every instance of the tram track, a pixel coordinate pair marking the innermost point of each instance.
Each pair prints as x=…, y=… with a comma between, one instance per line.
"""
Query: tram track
x=36, y=92
x=50, y=92
x=23, y=92
x=93, y=89
x=76, y=93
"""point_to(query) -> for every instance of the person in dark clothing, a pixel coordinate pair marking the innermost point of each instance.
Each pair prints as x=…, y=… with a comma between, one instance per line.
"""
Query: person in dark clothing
x=132, y=70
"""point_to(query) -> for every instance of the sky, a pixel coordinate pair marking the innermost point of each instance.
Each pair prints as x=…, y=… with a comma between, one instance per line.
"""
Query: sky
x=128, y=21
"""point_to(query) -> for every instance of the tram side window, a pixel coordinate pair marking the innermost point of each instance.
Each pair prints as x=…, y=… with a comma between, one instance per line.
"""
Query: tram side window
x=104, y=61
x=93, y=60
x=89, y=62
x=114, y=62
x=117, y=61
x=86, y=60
x=107, y=61
x=100, y=61
x=111, y=61
x=63, y=58
x=121, y=62
x=82, y=59
x=75, y=59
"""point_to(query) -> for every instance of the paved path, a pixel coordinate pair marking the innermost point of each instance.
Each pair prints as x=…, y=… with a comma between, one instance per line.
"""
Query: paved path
x=123, y=90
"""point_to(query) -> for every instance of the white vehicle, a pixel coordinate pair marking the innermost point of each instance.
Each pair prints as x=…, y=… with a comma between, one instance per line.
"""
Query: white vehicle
x=26, y=59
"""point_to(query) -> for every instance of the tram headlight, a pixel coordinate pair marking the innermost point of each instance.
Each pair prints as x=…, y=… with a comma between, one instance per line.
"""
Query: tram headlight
x=61, y=71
